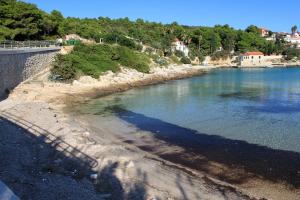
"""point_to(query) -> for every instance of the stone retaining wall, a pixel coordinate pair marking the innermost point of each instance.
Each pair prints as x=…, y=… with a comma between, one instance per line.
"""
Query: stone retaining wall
x=17, y=66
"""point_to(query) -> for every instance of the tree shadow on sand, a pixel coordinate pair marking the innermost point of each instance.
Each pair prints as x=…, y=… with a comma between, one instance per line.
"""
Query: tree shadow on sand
x=240, y=159
x=42, y=166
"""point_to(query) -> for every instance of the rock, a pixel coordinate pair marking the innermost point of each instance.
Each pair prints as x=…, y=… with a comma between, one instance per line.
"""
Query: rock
x=76, y=83
x=87, y=80
x=94, y=176
x=130, y=164
x=86, y=133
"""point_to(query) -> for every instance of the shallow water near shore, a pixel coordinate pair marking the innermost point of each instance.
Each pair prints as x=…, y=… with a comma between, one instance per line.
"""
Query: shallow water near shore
x=247, y=119
x=259, y=106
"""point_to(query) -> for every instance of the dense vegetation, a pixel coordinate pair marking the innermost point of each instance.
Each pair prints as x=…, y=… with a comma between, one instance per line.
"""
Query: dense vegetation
x=23, y=21
x=93, y=60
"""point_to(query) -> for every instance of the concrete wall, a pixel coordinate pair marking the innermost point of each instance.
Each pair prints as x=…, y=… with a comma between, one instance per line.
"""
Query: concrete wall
x=19, y=65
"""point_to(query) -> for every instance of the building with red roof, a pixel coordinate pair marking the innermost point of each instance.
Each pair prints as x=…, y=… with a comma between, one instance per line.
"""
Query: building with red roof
x=255, y=53
x=264, y=32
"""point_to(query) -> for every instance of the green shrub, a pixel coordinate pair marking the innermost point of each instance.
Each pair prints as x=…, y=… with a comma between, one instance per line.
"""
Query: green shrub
x=131, y=59
x=93, y=60
x=63, y=68
x=121, y=40
x=149, y=50
x=175, y=59
x=161, y=61
x=179, y=54
x=292, y=53
x=185, y=60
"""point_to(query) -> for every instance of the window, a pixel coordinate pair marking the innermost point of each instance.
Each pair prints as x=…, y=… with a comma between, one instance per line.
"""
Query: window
x=252, y=57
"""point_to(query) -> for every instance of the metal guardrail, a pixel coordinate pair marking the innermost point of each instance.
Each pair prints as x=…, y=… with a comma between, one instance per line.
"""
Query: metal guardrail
x=27, y=44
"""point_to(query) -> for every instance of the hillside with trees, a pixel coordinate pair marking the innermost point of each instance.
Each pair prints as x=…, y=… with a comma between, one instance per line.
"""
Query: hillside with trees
x=23, y=21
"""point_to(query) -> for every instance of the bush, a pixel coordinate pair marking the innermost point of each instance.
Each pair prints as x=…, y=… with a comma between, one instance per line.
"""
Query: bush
x=93, y=60
x=179, y=54
x=185, y=60
x=121, y=40
x=161, y=61
x=149, y=50
x=175, y=59
x=292, y=53
x=63, y=68
x=131, y=59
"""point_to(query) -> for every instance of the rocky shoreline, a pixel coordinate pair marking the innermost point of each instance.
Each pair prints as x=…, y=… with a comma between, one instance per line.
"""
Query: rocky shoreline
x=41, y=89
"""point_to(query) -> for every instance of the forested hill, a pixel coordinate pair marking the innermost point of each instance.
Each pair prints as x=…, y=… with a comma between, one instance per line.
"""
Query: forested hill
x=24, y=21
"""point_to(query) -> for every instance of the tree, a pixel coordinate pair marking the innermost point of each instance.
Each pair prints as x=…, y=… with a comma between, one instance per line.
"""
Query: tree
x=252, y=29
x=215, y=42
x=23, y=21
x=56, y=16
x=294, y=29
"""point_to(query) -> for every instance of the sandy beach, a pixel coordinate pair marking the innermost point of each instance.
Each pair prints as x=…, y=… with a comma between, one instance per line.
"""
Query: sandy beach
x=46, y=146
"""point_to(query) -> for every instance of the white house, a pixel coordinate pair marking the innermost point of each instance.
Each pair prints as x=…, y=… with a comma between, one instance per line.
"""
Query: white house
x=293, y=39
x=180, y=46
x=258, y=59
x=251, y=59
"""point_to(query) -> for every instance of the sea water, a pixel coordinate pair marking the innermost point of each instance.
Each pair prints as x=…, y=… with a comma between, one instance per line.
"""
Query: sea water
x=259, y=106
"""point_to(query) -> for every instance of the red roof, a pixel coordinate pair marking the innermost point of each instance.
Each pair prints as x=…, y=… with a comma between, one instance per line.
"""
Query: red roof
x=264, y=29
x=253, y=54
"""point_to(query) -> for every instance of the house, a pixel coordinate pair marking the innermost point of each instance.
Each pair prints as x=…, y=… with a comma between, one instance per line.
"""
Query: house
x=293, y=39
x=264, y=32
x=271, y=38
x=258, y=59
x=178, y=45
x=251, y=59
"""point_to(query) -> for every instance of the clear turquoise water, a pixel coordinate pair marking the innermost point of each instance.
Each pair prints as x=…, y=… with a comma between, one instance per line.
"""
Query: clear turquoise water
x=259, y=106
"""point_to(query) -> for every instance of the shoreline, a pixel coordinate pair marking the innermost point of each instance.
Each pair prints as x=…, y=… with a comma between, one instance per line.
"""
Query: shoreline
x=53, y=104
x=36, y=109
x=40, y=89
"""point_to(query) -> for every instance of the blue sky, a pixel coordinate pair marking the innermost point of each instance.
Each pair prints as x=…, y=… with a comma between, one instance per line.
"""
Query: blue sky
x=277, y=15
